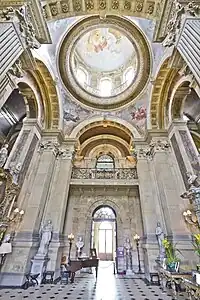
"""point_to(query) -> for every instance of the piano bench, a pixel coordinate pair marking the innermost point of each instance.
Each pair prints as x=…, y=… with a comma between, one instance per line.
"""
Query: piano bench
x=64, y=277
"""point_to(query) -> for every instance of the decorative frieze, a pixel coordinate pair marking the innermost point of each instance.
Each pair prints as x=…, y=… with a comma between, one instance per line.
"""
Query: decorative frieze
x=65, y=8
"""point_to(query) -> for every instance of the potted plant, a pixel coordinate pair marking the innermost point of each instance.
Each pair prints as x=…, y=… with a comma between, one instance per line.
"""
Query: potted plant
x=196, y=245
x=172, y=259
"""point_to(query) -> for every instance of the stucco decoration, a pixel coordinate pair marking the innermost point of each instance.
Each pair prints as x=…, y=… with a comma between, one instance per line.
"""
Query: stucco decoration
x=94, y=41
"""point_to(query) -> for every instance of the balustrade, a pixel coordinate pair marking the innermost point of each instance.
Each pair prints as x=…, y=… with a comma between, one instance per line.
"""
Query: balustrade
x=120, y=173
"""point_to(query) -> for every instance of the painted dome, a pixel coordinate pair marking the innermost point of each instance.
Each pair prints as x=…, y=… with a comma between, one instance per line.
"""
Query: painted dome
x=104, y=63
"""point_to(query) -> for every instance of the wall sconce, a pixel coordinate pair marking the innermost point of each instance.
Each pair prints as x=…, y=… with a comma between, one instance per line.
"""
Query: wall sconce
x=190, y=218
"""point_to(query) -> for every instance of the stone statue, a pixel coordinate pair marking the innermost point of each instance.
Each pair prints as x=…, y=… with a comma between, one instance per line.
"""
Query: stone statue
x=15, y=171
x=46, y=235
x=128, y=254
x=3, y=155
x=79, y=246
x=160, y=237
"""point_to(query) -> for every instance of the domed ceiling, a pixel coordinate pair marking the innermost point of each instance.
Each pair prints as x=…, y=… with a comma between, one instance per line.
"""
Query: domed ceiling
x=104, y=64
x=105, y=49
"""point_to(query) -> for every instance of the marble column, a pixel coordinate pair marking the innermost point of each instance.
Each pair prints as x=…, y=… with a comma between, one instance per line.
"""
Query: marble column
x=26, y=241
x=57, y=203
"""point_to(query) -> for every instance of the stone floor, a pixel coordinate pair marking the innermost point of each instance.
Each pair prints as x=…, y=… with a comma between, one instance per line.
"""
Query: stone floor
x=85, y=287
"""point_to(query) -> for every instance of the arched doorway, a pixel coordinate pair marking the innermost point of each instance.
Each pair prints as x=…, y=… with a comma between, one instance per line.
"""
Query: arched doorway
x=104, y=237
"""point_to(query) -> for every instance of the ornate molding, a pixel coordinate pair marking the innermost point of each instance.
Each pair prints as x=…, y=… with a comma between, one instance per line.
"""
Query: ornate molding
x=21, y=17
x=174, y=25
x=154, y=146
x=64, y=153
x=48, y=146
x=133, y=33
x=16, y=69
x=68, y=8
x=37, y=18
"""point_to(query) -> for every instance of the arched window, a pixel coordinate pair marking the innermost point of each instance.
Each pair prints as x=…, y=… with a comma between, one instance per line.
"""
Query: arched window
x=105, y=87
x=104, y=213
x=129, y=75
x=105, y=162
x=82, y=76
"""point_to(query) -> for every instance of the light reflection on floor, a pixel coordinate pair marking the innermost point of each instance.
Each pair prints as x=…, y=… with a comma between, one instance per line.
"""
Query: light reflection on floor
x=107, y=287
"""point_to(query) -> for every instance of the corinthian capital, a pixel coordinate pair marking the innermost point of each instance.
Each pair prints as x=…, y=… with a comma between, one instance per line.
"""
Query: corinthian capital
x=64, y=153
x=47, y=146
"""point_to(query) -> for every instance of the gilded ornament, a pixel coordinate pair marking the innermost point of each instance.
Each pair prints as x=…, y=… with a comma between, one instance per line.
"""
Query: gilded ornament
x=102, y=4
x=64, y=6
x=139, y=6
x=77, y=5
x=127, y=5
x=54, y=9
x=115, y=4
x=89, y=4
x=45, y=11
x=150, y=9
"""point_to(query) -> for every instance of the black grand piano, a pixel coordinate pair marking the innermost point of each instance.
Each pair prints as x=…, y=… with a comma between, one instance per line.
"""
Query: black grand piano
x=75, y=265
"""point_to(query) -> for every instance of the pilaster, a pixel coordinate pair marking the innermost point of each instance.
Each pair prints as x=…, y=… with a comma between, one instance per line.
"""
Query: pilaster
x=57, y=201
x=26, y=241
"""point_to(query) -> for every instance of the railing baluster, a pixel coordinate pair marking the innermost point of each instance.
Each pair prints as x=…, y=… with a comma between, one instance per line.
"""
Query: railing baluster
x=119, y=173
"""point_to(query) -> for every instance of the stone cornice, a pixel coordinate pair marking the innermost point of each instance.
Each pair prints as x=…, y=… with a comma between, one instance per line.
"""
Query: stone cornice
x=38, y=21
x=68, y=8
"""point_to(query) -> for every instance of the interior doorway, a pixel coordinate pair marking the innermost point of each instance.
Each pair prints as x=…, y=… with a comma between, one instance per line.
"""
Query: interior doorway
x=104, y=237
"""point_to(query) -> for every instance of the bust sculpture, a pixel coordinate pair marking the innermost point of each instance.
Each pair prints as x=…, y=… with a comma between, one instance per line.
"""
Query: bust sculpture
x=79, y=246
x=128, y=254
x=3, y=155
x=160, y=237
x=46, y=235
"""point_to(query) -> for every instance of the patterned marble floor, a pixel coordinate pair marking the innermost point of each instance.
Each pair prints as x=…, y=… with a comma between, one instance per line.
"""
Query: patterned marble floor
x=107, y=287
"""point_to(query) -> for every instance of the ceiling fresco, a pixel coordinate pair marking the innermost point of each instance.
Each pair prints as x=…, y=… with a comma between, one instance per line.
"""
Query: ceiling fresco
x=105, y=49
x=73, y=111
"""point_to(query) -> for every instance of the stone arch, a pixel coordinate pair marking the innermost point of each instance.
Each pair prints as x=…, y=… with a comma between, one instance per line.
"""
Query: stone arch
x=48, y=92
x=115, y=120
x=89, y=145
x=120, y=217
x=29, y=99
x=176, y=100
x=163, y=84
